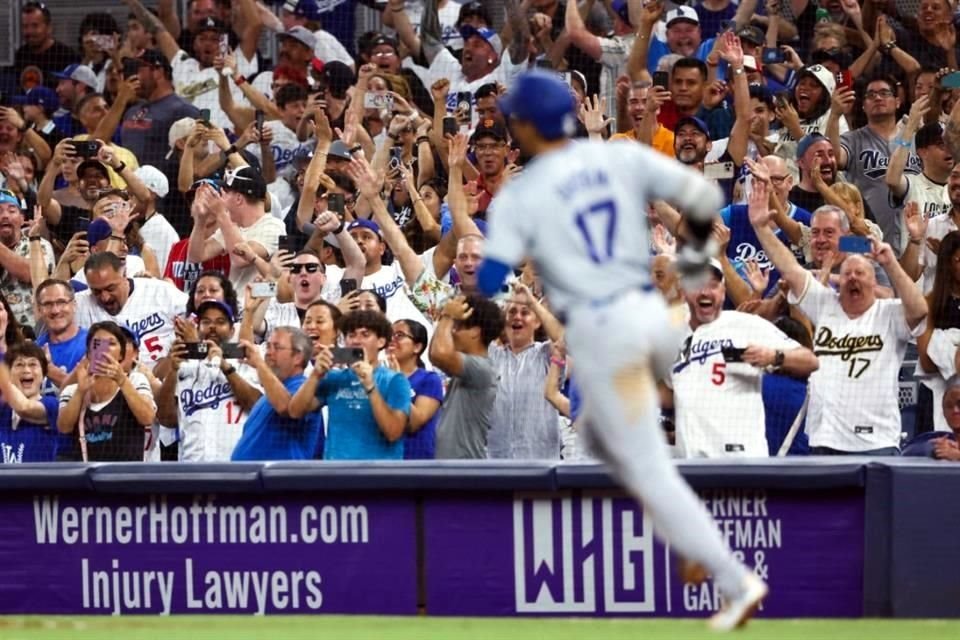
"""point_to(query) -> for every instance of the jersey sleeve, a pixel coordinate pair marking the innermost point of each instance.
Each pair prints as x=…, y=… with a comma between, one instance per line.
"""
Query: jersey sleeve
x=508, y=238
x=66, y=394
x=142, y=385
x=249, y=375
x=813, y=299
x=431, y=386
x=51, y=405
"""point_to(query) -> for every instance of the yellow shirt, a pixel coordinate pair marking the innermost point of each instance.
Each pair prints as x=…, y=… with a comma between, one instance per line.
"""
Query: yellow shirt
x=124, y=155
x=662, y=139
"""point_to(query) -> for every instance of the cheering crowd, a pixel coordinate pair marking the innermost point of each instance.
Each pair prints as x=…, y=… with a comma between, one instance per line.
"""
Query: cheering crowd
x=209, y=255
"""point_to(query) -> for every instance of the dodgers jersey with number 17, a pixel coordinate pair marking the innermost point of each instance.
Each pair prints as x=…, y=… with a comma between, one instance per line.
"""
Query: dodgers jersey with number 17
x=581, y=213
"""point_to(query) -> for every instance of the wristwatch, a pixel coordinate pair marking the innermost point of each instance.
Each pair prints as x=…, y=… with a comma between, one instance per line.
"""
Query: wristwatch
x=778, y=358
x=889, y=46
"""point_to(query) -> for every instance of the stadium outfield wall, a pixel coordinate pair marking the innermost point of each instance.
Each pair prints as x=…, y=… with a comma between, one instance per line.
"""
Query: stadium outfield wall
x=833, y=537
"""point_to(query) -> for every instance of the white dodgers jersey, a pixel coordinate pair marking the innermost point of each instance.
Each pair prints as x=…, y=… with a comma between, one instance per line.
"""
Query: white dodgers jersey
x=581, y=213
x=719, y=406
x=210, y=419
x=149, y=312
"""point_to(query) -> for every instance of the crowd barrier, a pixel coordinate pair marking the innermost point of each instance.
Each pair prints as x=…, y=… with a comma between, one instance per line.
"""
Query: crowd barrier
x=833, y=537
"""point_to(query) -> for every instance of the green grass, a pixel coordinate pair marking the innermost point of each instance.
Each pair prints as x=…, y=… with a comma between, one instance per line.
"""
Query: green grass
x=374, y=627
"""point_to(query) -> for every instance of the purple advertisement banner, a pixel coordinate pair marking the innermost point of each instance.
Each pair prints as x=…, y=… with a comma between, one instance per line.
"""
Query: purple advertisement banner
x=207, y=554
x=594, y=554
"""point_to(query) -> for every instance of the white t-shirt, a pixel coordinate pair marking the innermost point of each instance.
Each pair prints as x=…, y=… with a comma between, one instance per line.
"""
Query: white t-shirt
x=937, y=228
x=210, y=419
x=444, y=65
x=200, y=87
x=265, y=231
x=853, y=395
x=161, y=236
x=719, y=406
x=448, y=16
x=149, y=311
x=328, y=48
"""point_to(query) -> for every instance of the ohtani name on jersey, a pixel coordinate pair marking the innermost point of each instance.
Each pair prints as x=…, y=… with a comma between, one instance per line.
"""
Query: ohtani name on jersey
x=583, y=180
x=146, y=325
x=826, y=344
x=193, y=400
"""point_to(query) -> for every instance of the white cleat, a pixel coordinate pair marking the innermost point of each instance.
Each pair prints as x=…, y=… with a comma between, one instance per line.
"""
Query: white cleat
x=738, y=611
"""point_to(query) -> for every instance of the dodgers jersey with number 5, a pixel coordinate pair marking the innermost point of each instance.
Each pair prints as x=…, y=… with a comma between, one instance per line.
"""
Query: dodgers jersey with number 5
x=581, y=213
x=149, y=311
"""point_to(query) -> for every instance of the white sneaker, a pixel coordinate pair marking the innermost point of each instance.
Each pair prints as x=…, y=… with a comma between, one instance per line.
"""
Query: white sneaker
x=738, y=611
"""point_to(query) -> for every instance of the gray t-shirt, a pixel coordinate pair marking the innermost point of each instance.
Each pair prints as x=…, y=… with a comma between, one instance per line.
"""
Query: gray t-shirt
x=467, y=410
x=868, y=155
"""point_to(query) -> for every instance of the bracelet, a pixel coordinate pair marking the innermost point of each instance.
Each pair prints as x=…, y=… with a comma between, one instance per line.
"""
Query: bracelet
x=888, y=47
x=423, y=139
x=558, y=362
x=35, y=238
x=229, y=371
x=738, y=71
x=900, y=142
x=231, y=150
x=371, y=389
x=416, y=200
x=123, y=165
x=239, y=80
x=916, y=241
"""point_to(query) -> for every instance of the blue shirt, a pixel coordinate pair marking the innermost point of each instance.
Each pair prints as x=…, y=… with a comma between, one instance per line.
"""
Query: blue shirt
x=659, y=48
x=745, y=246
x=269, y=436
x=783, y=397
x=422, y=445
x=28, y=441
x=66, y=354
x=353, y=433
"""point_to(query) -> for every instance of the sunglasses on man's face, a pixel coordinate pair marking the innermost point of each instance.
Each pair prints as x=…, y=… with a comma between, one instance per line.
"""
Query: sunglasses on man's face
x=309, y=268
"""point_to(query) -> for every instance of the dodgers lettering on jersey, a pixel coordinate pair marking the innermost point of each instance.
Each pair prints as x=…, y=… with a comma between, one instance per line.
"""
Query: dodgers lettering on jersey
x=210, y=419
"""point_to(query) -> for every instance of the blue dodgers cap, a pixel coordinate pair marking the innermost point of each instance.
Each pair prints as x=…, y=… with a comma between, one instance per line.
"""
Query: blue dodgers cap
x=98, y=230
x=132, y=334
x=217, y=304
x=807, y=141
x=308, y=9
x=39, y=97
x=489, y=35
x=543, y=100
x=363, y=223
x=697, y=122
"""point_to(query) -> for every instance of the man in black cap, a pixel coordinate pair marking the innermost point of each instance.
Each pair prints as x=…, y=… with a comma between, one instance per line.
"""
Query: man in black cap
x=146, y=124
x=231, y=218
x=63, y=220
x=490, y=146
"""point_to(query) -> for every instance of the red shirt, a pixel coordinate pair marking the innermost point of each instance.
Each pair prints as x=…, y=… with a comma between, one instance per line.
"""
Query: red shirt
x=184, y=274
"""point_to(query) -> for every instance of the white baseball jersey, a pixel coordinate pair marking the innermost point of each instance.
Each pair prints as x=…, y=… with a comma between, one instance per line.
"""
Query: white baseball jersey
x=581, y=213
x=149, y=311
x=210, y=419
x=200, y=87
x=719, y=406
x=853, y=395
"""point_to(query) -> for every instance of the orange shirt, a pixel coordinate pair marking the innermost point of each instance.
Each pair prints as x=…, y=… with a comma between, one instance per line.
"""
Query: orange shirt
x=662, y=139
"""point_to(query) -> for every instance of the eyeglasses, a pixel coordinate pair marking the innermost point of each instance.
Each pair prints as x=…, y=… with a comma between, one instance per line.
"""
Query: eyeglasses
x=487, y=147
x=398, y=335
x=880, y=93
x=53, y=304
x=309, y=268
x=778, y=179
x=277, y=347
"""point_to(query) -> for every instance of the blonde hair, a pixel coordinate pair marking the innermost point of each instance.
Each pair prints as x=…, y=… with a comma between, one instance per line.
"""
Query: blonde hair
x=825, y=30
x=851, y=195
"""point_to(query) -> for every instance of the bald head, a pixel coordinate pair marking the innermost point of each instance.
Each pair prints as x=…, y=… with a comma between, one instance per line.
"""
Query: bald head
x=779, y=175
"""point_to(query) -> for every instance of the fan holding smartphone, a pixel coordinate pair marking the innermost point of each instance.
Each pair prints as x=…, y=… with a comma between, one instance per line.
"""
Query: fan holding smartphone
x=369, y=404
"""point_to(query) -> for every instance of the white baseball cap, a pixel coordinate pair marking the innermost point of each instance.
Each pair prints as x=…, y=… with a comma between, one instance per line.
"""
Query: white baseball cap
x=180, y=130
x=682, y=12
x=154, y=179
x=823, y=75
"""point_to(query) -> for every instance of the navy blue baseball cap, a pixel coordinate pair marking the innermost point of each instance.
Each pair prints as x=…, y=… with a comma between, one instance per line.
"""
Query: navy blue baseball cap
x=217, y=304
x=39, y=97
x=543, y=100
x=697, y=122
x=808, y=141
x=98, y=230
x=363, y=223
x=621, y=8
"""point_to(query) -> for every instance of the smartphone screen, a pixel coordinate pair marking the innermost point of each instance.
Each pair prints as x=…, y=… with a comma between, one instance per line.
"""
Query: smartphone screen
x=347, y=355
x=347, y=285
x=661, y=79
x=732, y=354
x=233, y=350
x=450, y=126
x=259, y=120
x=131, y=67
x=855, y=244
x=335, y=203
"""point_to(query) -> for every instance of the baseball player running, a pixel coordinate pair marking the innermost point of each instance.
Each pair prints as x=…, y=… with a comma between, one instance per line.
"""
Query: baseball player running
x=579, y=211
